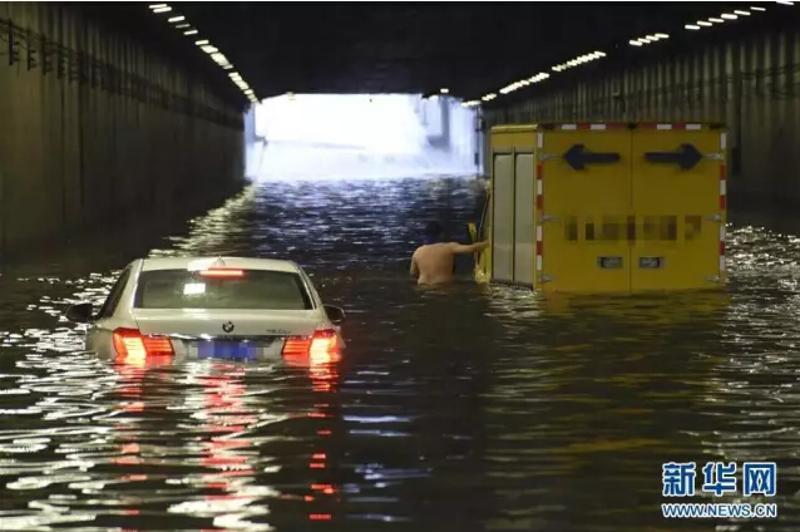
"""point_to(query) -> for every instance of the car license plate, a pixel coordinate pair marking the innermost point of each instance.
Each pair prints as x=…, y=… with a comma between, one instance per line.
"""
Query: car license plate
x=231, y=350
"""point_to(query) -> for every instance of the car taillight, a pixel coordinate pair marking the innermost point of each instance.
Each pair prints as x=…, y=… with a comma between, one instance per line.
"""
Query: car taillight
x=296, y=346
x=324, y=347
x=320, y=348
x=132, y=343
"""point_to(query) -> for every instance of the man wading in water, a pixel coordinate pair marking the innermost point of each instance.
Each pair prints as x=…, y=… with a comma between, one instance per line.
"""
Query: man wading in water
x=434, y=261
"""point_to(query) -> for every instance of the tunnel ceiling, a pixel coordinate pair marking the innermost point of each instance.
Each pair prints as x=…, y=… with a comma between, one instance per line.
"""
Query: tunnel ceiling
x=420, y=47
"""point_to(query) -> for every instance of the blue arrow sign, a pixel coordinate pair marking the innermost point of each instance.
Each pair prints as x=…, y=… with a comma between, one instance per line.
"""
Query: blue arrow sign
x=686, y=156
x=578, y=157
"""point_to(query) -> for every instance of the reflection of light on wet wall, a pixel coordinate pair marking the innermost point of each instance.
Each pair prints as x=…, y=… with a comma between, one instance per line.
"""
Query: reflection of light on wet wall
x=329, y=136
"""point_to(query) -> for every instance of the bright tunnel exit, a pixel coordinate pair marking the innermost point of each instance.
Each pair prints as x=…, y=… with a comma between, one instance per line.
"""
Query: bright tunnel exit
x=358, y=136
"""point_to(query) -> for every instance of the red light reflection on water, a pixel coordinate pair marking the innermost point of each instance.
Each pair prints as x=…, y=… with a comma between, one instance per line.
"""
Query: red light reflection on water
x=133, y=370
x=227, y=418
x=324, y=375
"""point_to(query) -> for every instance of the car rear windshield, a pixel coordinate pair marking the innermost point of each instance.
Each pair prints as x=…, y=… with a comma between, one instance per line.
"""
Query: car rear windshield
x=254, y=289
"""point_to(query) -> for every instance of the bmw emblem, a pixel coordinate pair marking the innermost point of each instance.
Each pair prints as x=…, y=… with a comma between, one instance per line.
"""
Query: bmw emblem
x=228, y=326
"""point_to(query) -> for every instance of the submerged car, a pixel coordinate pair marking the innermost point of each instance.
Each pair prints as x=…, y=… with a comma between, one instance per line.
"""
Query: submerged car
x=223, y=307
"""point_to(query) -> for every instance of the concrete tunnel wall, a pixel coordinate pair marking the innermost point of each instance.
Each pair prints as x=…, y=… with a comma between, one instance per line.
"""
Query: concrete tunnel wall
x=752, y=85
x=96, y=127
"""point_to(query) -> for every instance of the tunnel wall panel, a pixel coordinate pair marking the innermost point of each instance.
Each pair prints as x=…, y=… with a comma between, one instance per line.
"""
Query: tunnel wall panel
x=751, y=85
x=95, y=127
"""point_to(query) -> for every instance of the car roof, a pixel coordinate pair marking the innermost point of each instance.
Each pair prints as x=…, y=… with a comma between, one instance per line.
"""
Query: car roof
x=201, y=263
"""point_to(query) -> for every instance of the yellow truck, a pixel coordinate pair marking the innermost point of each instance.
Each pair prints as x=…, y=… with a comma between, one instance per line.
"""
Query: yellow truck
x=606, y=207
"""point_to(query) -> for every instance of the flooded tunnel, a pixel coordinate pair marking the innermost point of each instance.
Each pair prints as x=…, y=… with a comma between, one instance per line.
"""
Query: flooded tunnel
x=138, y=138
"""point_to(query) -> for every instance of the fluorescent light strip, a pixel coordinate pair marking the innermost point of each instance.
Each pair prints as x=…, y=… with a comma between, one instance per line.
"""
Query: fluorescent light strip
x=214, y=52
x=219, y=58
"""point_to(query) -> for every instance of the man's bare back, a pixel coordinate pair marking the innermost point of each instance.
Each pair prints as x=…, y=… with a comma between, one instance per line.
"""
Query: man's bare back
x=434, y=262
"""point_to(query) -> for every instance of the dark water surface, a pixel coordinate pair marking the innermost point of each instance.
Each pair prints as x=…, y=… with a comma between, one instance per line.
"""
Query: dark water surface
x=463, y=408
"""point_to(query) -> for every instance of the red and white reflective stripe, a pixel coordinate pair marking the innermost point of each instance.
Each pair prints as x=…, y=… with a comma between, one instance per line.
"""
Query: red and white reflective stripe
x=539, y=188
x=664, y=126
x=722, y=246
x=540, y=208
x=592, y=126
x=539, y=248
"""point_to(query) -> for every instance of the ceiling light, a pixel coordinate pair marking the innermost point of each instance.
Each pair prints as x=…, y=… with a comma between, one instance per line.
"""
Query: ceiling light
x=190, y=32
x=662, y=35
x=219, y=58
x=729, y=16
x=444, y=90
x=184, y=25
x=209, y=49
x=227, y=67
x=691, y=27
x=784, y=2
x=157, y=6
x=179, y=18
x=717, y=20
x=758, y=8
x=742, y=12
x=162, y=9
x=704, y=23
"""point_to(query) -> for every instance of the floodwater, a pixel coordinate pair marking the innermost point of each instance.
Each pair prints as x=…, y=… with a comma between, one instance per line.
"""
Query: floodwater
x=462, y=408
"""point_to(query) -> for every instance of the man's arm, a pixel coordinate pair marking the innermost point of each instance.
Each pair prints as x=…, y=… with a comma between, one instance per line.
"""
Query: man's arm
x=455, y=247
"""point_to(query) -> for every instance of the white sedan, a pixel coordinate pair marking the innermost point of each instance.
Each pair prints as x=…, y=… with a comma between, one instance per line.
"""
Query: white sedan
x=224, y=307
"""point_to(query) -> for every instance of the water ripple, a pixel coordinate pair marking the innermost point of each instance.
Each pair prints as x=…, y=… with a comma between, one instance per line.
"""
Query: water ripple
x=464, y=408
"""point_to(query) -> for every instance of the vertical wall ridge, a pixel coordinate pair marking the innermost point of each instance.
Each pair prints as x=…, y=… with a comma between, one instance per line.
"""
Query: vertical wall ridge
x=97, y=126
x=750, y=84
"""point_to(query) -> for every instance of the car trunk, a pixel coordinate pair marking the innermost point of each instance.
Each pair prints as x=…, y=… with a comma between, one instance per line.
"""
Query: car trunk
x=226, y=323
x=241, y=335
